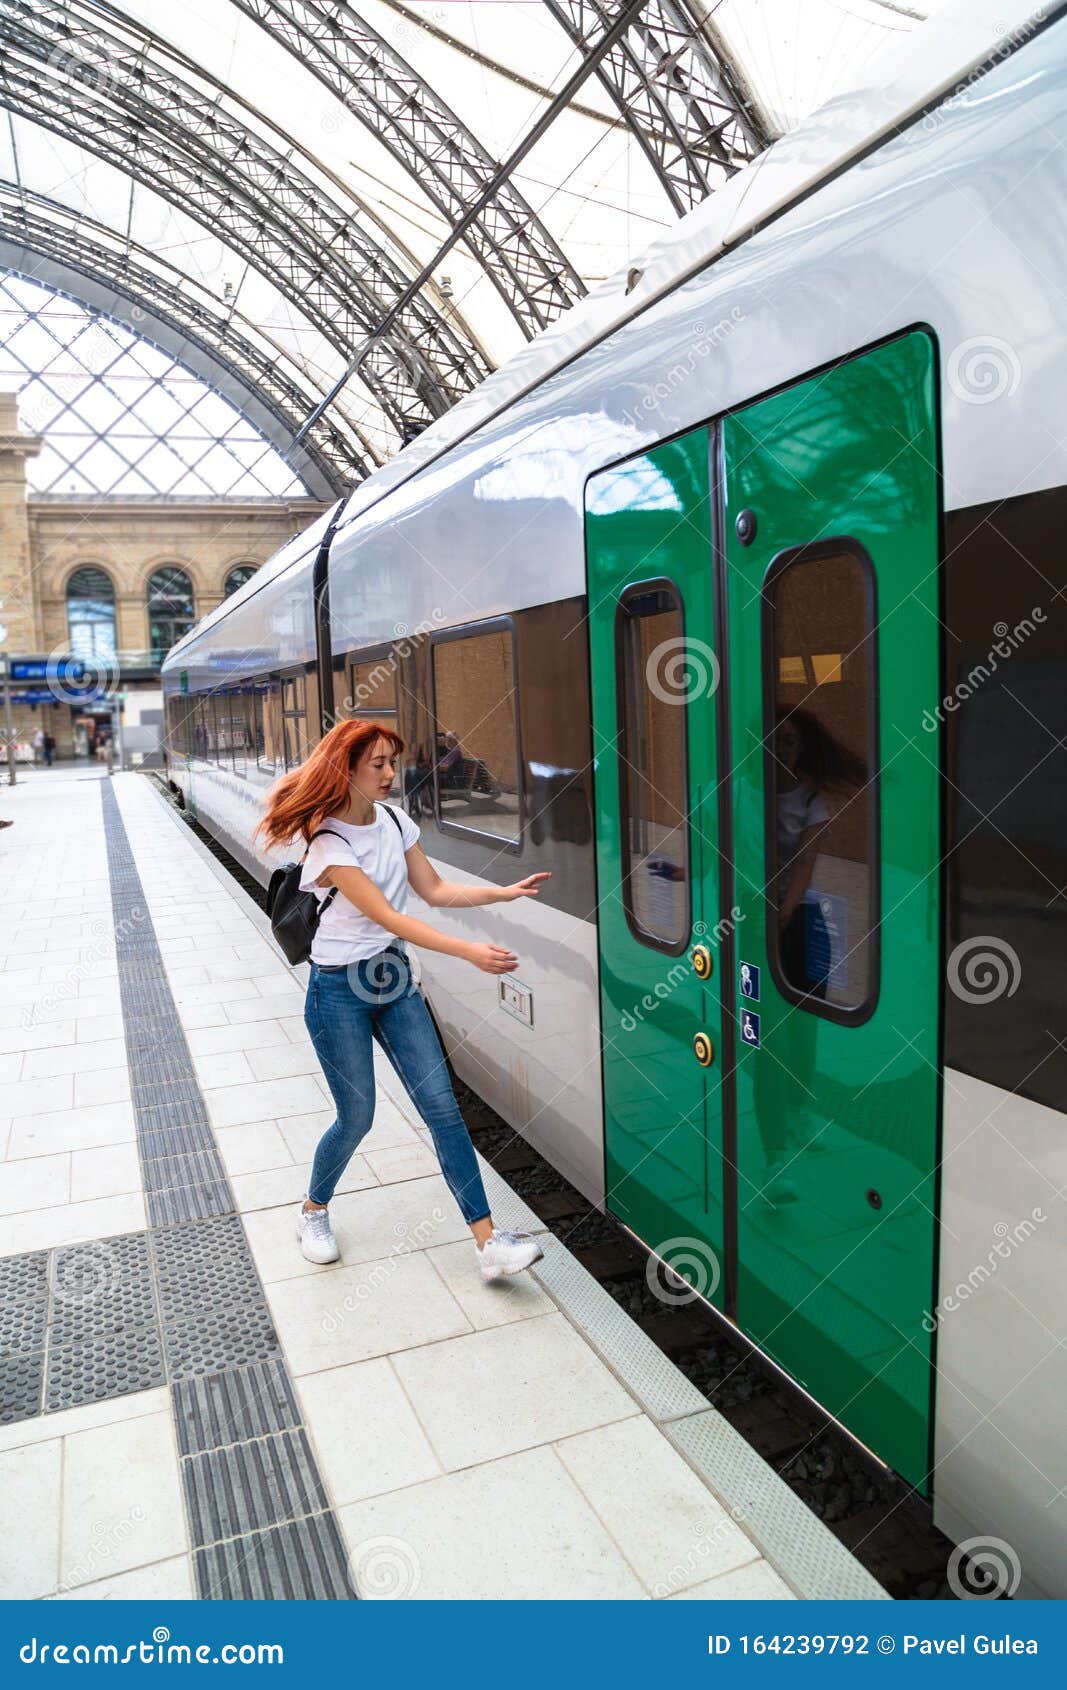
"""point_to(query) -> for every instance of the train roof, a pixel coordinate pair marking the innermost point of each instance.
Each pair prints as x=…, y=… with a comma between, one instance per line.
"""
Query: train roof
x=899, y=86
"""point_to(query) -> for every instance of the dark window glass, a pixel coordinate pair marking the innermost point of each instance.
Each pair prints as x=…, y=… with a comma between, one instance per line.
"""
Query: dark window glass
x=268, y=725
x=237, y=578
x=822, y=880
x=476, y=755
x=652, y=771
x=372, y=689
x=170, y=609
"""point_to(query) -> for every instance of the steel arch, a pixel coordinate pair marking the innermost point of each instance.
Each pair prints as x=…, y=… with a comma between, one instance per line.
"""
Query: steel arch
x=681, y=100
x=44, y=242
x=65, y=71
x=370, y=77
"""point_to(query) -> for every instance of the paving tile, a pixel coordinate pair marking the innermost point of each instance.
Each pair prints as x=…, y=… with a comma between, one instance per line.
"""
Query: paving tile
x=101, y=1365
x=40, y=1096
x=213, y=1041
x=105, y=1172
x=670, y=1527
x=24, y=1276
x=264, y=1100
x=399, y=1162
x=492, y=1303
x=21, y=1384
x=214, y=1339
x=516, y=1528
x=122, y=1504
x=203, y=1264
x=756, y=1582
x=226, y=1068
x=249, y=1486
x=276, y=1186
x=22, y=1326
x=30, y=1482
x=252, y=1147
x=76, y=1059
x=455, y=1389
x=353, y=1313
x=189, y=1167
x=164, y=1581
x=368, y=1224
x=302, y=1562
x=175, y=1141
x=238, y=1403
x=282, y=1061
x=36, y=1229
x=364, y=1431
x=71, y=1129
x=189, y=1202
x=38, y=1182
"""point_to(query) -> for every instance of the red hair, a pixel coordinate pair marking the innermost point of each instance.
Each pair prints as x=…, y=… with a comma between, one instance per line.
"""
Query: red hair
x=302, y=799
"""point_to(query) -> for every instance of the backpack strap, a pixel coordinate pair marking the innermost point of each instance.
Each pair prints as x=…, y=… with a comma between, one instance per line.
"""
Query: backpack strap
x=394, y=818
x=332, y=893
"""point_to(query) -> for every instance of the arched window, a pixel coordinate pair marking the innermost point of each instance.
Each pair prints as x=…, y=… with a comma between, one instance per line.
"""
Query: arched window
x=91, y=614
x=170, y=609
x=237, y=578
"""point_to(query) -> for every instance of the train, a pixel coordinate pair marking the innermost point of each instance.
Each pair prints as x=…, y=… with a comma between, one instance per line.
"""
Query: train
x=737, y=600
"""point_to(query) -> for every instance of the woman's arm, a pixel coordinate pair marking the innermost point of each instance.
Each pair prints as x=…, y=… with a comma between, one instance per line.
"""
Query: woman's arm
x=368, y=899
x=803, y=869
x=448, y=894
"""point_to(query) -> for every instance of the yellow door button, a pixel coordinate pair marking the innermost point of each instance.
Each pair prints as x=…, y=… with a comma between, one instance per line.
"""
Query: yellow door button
x=703, y=1049
x=702, y=963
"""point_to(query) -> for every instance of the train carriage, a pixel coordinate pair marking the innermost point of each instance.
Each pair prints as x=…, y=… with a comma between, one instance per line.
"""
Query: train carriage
x=793, y=488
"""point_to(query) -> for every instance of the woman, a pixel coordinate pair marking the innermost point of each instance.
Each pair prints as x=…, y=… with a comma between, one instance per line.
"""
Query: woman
x=361, y=987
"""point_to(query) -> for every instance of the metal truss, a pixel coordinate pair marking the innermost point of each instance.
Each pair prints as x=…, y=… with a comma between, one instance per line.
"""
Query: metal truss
x=46, y=242
x=517, y=253
x=202, y=150
x=683, y=104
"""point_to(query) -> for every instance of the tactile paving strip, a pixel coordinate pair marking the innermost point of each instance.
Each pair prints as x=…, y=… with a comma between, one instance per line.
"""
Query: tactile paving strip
x=21, y=1379
x=246, y=1461
x=224, y=1408
x=249, y=1486
x=301, y=1562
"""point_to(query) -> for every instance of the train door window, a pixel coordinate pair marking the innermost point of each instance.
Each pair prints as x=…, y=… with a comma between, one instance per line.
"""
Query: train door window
x=653, y=797
x=294, y=719
x=477, y=759
x=240, y=702
x=821, y=786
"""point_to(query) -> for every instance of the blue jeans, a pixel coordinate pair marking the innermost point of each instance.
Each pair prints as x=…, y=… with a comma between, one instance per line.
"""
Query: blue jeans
x=345, y=1009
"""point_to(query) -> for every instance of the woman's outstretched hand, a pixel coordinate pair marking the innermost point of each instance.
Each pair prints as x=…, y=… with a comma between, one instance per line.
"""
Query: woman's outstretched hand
x=527, y=888
x=492, y=959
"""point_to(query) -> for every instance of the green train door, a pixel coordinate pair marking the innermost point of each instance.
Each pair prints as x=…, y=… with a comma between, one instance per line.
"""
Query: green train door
x=830, y=519
x=654, y=674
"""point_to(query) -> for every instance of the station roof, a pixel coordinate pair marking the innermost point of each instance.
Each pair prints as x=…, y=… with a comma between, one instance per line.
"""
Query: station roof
x=263, y=188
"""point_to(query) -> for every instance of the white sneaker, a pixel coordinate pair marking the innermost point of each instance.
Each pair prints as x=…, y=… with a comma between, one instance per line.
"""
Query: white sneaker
x=507, y=1252
x=317, y=1242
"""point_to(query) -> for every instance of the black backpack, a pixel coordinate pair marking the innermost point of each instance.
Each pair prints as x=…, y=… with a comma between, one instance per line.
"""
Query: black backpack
x=295, y=915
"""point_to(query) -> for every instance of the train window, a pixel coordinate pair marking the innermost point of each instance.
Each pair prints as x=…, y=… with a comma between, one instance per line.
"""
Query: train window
x=371, y=688
x=476, y=762
x=269, y=726
x=294, y=720
x=821, y=785
x=653, y=805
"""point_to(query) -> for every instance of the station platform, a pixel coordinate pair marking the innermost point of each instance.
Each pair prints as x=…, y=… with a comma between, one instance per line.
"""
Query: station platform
x=188, y=1409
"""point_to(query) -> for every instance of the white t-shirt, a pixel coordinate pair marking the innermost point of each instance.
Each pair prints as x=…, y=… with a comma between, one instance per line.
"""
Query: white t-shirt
x=343, y=934
x=799, y=807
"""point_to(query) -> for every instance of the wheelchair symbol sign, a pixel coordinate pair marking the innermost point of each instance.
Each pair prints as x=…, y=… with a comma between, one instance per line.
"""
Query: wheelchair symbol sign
x=750, y=1028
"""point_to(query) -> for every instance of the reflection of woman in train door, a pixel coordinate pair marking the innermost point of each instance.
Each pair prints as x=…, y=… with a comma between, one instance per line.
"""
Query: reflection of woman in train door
x=809, y=764
x=361, y=987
